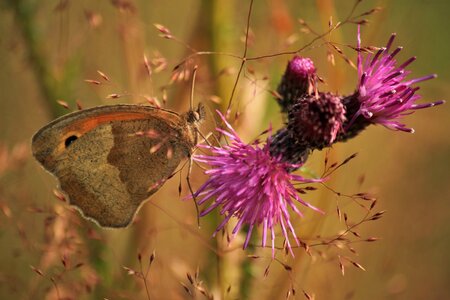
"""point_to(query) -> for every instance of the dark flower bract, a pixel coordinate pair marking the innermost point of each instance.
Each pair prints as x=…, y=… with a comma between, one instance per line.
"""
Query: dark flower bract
x=317, y=119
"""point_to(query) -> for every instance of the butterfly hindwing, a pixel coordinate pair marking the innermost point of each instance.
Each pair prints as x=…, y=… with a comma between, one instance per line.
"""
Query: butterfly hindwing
x=106, y=161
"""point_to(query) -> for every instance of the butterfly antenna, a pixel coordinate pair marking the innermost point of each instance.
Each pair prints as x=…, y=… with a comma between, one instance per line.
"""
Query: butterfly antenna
x=194, y=75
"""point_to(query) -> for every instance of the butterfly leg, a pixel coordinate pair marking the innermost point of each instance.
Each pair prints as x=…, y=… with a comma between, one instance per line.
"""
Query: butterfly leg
x=205, y=138
x=191, y=190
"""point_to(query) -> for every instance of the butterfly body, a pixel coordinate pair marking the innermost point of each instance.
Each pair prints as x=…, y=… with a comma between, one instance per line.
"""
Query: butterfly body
x=107, y=163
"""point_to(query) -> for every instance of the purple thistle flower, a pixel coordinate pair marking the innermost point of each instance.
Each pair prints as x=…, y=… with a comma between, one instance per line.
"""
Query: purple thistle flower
x=298, y=81
x=384, y=94
x=247, y=182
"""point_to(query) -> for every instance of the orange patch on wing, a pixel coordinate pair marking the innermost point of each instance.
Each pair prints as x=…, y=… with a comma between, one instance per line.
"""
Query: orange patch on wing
x=85, y=125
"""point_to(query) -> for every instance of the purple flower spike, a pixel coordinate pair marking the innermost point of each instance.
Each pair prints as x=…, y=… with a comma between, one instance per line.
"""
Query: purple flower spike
x=384, y=93
x=247, y=182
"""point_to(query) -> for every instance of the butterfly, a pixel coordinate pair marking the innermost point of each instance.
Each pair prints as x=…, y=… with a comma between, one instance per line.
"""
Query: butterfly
x=110, y=159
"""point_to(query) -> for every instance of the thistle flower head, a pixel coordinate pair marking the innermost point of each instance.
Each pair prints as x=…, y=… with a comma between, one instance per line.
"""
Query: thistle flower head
x=247, y=182
x=384, y=92
x=298, y=80
x=317, y=119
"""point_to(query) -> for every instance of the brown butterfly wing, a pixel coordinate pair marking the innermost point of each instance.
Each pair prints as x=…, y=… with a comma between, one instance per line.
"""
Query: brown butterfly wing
x=108, y=170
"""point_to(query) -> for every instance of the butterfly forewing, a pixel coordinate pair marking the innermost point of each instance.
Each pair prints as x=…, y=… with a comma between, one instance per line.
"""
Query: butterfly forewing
x=105, y=167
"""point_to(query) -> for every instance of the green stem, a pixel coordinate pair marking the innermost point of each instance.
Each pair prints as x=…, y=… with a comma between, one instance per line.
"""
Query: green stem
x=24, y=12
x=246, y=271
x=222, y=37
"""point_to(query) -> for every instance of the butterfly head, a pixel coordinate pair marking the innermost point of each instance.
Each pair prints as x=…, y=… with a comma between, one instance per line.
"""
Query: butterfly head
x=197, y=116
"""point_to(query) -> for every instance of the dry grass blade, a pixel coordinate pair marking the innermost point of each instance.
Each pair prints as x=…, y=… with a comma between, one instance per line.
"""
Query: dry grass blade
x=357, y=265
x=372, y=239
x=91, y=81
x=113, y=96
x=373, y=204
x=103, y=75
x=79, y=105
x=341, y=266
x=338, y=210
x=186, y=289
x=147, y=66
x=152, y=257
x=36, y=270
x=189, y=277
x=63, y=104
x=161, y=28
x=307, y=296
x=377, y=215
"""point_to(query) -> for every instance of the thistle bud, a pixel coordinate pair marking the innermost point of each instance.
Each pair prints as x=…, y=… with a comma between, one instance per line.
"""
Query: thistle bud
x=298, y=81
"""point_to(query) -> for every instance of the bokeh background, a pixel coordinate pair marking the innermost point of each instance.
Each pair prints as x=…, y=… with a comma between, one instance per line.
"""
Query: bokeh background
x=49, y=48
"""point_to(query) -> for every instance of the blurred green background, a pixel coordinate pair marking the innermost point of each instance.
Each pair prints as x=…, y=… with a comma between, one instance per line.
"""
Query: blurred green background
x=49, y=48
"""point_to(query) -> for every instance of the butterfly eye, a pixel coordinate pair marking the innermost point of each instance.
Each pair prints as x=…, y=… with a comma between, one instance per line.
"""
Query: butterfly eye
x=196, y=116
x=69, y=140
